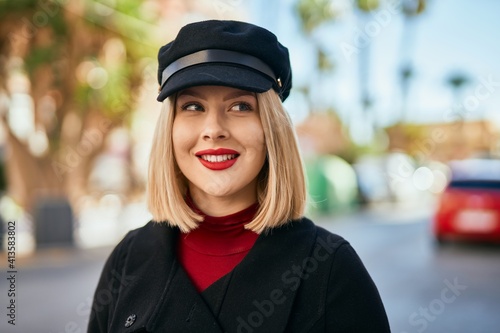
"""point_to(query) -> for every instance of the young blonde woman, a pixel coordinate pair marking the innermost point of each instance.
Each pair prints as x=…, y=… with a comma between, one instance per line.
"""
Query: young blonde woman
x=228, y=249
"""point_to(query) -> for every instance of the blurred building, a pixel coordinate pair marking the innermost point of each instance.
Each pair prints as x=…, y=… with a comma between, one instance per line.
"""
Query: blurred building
x=321, y=134
x=446, y=141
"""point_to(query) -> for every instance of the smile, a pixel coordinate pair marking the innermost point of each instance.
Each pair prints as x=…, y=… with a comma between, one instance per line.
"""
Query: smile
x=218, y=159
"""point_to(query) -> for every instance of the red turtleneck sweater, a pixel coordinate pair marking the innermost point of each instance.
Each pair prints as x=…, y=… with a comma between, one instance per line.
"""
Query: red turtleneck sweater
x=216, y=246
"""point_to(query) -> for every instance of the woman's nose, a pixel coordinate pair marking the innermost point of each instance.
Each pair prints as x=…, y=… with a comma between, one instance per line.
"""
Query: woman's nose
x=215, y=127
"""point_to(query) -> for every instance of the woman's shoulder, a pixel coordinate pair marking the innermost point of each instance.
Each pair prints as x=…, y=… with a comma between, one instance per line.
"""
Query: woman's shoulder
x=146, y=239
x=151, y=230
x=307, y=241
x=307, y=227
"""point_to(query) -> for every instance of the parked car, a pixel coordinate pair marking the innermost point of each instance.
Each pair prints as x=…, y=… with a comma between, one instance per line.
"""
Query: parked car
x=469, y=207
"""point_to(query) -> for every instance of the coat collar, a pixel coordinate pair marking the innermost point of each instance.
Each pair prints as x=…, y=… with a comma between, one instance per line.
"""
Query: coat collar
x=263, y=284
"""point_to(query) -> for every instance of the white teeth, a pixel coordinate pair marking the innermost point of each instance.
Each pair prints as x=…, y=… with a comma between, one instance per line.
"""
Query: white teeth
x=218, y=158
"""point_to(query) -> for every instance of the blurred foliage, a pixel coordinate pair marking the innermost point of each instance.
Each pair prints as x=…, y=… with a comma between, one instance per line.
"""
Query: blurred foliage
x=353, y=151
x=325, y=64
x=457, y=80
x=89, y=58
x=413, y=7
x=123, y=75
x=368, y=5
x=9, y=7
x=313, y=13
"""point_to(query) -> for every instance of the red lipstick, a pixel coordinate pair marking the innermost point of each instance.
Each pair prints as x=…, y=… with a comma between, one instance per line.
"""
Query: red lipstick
x=217, y=159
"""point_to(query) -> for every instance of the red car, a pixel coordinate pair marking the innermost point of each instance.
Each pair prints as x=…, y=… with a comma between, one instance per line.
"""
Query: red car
x=469, y=207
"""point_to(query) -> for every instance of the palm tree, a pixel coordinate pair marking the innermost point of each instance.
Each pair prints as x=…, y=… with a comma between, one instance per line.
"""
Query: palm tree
x=312, y=14
x=411, y=9
x=457, y=82
x=365, y=7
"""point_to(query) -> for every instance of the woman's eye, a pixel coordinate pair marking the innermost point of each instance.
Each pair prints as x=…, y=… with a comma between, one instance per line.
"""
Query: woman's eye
x=192, y=107
x=241, y=107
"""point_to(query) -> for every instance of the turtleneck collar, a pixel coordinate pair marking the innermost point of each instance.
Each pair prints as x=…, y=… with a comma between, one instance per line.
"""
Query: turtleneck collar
x=221, y=235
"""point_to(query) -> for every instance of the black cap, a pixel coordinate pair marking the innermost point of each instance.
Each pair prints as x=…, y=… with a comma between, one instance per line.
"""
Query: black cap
x=224, y=53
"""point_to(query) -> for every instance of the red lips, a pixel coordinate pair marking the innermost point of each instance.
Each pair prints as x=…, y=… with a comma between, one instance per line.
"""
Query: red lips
x=217, y=159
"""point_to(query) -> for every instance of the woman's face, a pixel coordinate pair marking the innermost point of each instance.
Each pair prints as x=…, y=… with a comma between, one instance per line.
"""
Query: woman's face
x=219, y=142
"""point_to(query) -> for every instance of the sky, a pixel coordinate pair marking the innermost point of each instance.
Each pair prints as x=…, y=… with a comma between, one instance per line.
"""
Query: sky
x=450, y=36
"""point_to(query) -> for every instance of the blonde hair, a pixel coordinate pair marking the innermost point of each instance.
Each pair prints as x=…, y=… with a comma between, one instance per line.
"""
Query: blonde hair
x=281, y=190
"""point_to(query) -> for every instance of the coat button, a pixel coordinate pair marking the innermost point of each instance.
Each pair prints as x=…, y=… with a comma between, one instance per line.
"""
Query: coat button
x=130, y=320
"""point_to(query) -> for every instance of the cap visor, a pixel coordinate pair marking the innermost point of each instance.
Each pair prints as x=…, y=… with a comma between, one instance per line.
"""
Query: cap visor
x=216, y=75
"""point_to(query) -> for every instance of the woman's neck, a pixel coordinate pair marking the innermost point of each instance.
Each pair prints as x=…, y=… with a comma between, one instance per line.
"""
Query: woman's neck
x=221, y=205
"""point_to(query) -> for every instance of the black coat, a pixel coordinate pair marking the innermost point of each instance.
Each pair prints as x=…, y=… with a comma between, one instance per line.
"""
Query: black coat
x=297, y=278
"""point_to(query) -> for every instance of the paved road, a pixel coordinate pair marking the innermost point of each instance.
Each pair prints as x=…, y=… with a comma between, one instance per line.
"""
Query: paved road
x=54, y=291
x=424, y=288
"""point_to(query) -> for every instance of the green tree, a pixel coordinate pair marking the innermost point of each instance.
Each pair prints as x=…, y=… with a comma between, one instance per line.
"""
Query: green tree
x=85, y=63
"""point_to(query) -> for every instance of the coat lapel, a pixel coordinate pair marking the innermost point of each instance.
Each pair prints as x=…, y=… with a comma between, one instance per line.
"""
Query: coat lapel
x=260, y=292
x=257, y=296
x=182, y=309
x=159, y=295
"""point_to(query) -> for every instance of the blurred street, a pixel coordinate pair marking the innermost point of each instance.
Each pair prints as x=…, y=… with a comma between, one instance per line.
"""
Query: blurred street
x=425, y=288
x=393, y=102
x=412, y=273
